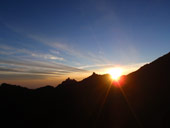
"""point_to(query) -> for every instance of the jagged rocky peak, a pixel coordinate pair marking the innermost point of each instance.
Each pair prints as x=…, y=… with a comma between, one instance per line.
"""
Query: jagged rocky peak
x=67, y=82
x=94, y=74
x=68, y=79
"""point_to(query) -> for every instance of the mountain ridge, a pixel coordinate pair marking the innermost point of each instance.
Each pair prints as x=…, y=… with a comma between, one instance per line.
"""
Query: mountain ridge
x=141, y=101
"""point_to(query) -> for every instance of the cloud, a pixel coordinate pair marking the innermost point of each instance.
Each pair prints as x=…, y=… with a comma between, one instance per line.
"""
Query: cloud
x=8, y=50
x=26, y=66
x=69, y=49
x=55, y=52
x=5, y=47
x=48, y=56
x=21, y=76
x=96, y=66
x=41, y=64
x=25, y=70
x=74, y=52
x=59, y=46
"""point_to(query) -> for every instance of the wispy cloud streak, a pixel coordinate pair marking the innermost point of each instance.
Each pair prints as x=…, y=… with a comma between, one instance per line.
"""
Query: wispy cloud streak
x=70, y=50
x=8, y=50
x=37, y=65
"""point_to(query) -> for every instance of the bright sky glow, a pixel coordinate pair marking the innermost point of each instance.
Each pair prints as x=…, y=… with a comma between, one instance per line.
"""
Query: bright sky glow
x=116, y=73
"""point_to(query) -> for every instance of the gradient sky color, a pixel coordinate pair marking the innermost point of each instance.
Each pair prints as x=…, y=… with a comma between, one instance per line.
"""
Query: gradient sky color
x=45, y=41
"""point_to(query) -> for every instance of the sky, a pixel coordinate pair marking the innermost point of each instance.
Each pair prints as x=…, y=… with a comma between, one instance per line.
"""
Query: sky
x=44, y=42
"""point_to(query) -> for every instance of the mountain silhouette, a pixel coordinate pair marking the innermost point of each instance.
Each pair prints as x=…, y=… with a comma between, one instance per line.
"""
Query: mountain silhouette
x=148, y=91
x=141, y=100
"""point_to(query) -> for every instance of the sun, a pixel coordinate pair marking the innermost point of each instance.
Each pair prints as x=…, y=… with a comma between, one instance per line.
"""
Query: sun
x=115, y=73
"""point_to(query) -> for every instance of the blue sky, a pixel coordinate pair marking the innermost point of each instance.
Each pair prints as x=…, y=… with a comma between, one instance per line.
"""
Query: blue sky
x=44, y=42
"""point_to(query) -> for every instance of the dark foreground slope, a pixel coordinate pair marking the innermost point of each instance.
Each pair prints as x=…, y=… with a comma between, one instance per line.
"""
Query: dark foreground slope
x=143, y=101
x=148, y=91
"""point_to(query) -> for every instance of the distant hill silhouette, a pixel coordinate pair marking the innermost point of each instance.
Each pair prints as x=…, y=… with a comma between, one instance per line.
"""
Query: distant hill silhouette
x=142, y=101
